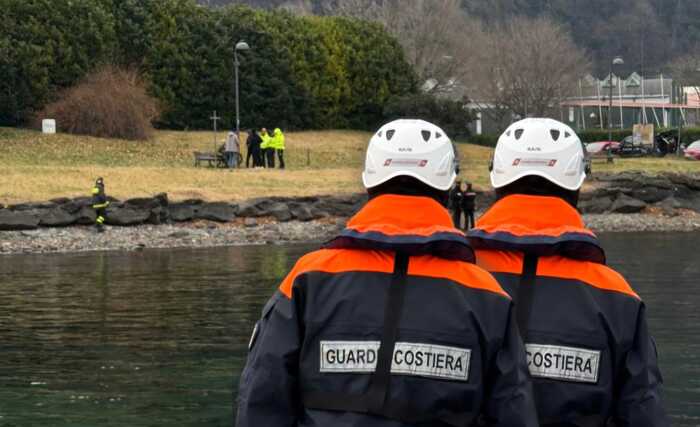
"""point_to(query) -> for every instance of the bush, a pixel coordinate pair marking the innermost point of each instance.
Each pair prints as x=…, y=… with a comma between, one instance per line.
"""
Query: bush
x=449, y=115
x=110, y=103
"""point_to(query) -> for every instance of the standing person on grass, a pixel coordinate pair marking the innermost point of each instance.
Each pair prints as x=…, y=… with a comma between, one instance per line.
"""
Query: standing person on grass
x=391, y=324
x=268, y=152
x=232, y=149
x=591, y=357
x=278, y=145
x=253, y=149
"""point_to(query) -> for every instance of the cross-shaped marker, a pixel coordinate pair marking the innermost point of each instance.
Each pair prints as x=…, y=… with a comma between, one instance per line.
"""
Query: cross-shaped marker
x=215, y=119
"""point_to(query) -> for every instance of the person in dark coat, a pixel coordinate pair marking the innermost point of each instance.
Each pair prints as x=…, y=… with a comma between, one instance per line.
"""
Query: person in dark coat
x=469, y=206
x=456, y=204
x=253, y=144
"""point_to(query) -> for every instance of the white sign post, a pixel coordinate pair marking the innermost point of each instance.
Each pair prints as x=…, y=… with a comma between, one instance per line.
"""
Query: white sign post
x=48, y=126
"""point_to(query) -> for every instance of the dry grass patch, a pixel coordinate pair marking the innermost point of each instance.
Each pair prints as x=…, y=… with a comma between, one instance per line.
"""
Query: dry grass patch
x=40, y=167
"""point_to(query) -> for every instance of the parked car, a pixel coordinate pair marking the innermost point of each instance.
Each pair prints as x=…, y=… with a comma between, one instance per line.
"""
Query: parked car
x=693, y=151
x=630, y=148
x=600, y=148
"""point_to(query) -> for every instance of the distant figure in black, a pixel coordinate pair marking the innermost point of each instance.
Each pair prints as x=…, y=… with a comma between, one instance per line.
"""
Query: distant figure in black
x=253, y=144
x=99, y=204
x=469, y=206
x=456, y=204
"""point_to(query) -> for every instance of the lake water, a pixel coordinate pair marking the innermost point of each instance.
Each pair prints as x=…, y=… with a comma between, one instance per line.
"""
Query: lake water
x=158, y=338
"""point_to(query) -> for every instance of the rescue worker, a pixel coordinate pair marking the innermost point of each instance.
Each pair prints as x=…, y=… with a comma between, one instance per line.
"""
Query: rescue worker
x=468, y=206
x=232, y=149
x=99, y=204
x=589, y=352
x=253, y=149
x=390, y=324
x=278, y=145
x=268, y=151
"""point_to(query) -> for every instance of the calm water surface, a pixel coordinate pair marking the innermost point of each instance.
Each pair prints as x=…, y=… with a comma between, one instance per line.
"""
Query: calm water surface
x=158, y=338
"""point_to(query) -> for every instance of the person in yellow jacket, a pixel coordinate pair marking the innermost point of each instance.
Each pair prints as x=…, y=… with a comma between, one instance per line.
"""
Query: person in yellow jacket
x=277, y=144
x=99, y=204
x=268, y=151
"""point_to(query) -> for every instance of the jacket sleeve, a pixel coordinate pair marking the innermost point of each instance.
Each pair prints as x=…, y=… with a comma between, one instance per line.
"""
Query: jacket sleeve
x=639, y=401
x=509, y=398
x=268, y=393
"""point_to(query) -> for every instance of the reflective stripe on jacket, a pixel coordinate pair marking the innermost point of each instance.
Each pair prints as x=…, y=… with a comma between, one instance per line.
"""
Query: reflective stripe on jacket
x=391, y=324
x=589, y=351
x=99, y=199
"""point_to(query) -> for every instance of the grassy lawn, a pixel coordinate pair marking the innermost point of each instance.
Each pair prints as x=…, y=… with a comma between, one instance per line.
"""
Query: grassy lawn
x=38, y=167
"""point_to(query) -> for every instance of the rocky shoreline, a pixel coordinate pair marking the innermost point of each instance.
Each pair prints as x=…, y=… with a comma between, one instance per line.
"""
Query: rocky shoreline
x=618, y=203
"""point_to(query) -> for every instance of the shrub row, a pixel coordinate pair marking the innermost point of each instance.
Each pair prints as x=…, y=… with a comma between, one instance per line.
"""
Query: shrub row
x=301, y=72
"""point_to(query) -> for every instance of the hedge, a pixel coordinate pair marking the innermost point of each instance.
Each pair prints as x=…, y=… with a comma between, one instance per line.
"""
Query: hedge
x=301, y=72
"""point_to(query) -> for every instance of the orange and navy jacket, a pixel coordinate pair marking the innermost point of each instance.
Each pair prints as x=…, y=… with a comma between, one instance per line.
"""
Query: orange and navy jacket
x=391, y=324
x=589, y=353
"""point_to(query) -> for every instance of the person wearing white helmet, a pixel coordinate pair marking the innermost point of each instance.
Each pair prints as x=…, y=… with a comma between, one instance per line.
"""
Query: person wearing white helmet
x=391, y=323
x=590, y=355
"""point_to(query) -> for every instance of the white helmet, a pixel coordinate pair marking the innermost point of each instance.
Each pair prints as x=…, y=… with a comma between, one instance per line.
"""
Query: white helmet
x=540, y=147
x=412, y=148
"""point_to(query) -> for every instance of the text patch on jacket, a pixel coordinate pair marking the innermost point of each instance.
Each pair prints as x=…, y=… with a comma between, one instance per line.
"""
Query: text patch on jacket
x=563, y=363
x=424, y=360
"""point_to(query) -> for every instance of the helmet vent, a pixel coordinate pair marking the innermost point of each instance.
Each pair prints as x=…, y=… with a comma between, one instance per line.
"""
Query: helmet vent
x=426, y=135
x=438, y=135
x=555, y=134
x=508, y=133
x=379, y=134
x=519, y=133
x=567, y=134
x=390, y=134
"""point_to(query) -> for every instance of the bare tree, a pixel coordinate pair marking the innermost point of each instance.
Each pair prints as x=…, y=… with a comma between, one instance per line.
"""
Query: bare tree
x=686, y=70
x=526, y=67
x=435, y=34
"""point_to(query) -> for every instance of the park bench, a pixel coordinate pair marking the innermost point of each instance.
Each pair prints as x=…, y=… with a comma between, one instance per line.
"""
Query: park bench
x=212, y=159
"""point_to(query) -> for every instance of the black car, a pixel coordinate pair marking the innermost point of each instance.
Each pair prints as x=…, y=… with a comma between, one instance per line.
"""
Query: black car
x=664, y=143
x=628, y=148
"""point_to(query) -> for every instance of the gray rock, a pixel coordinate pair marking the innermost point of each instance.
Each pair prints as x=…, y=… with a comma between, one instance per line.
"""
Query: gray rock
x=280, y=211
x=249, y=209
x=302, y=212
x=86, y=216
x=596, y=205
x=126, y=216
x=627, y=204
x=669, y=206
x=181, y=212
x=60, y=200
x=651, y=194
x=18, y=220
x=250, y=222
x=220, y=212
x=691, y=181
x=31, y=206
x=57, y=217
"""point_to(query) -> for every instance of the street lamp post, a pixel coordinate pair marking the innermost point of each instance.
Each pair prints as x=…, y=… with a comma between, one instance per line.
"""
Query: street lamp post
x=240, y=46
x=616, y=61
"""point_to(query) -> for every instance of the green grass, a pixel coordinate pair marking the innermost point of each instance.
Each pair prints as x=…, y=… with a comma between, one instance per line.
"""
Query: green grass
x=40, y=167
